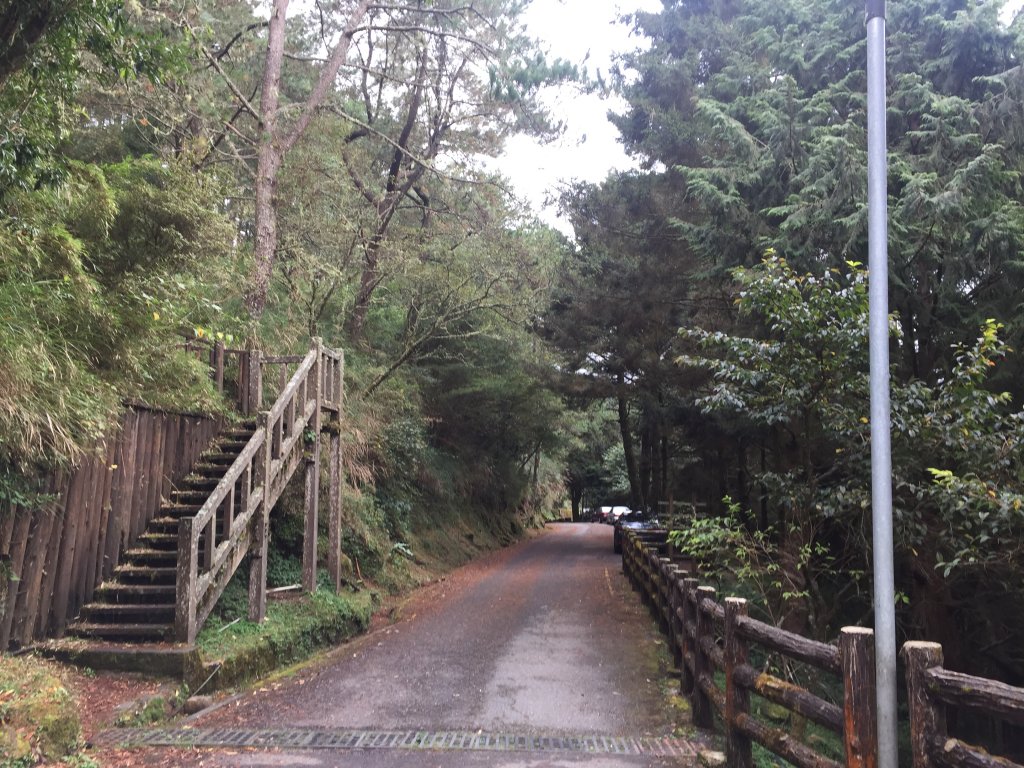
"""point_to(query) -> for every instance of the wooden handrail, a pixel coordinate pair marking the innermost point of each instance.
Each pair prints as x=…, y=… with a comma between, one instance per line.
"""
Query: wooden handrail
x=259, y=473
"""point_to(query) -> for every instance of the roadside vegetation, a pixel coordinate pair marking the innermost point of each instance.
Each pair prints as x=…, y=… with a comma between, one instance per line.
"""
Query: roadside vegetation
x=699, y=349
x=716, y=300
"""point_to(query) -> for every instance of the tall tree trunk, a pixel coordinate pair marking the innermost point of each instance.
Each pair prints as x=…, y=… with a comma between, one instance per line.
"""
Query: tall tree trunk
x=399, y=181
x=268, y=164
x=657, y=489
x=635, y=498
x=644, y=469
x=273, y=144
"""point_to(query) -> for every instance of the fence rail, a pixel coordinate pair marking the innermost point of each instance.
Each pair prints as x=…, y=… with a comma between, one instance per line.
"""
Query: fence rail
x=931, y=689
x=712, y=640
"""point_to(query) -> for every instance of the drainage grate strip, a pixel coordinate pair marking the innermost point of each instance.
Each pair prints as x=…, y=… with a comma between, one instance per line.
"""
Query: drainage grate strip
x=321, y=738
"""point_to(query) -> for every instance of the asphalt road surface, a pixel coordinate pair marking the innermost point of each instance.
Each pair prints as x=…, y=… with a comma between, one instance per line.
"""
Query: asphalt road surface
x=537, y=655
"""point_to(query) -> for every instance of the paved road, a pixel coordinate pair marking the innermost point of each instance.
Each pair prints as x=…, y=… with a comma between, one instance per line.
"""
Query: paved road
x=544, y=639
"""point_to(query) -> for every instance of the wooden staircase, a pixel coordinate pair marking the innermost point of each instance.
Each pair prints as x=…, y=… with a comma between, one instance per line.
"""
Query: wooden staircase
x=169, y=579
x=137, y=603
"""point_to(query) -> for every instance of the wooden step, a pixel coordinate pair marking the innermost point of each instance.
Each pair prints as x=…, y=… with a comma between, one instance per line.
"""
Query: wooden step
x=133, y=574
x=241, y=431
x=110, y=591
x=128, y=613
x=233, y=444
x=157, y=540
x=206, y=469
x=181, y=510
x=223, y=460
x=194, y=489
x=165, y=524
x=144, y=557
x=124, y=631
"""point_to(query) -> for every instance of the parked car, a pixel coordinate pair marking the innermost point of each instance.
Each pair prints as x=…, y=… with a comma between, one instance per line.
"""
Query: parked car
x=614, y=513
x=632, y=521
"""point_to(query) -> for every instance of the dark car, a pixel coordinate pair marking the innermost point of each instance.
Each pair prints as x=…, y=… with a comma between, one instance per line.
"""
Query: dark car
x=637, y=520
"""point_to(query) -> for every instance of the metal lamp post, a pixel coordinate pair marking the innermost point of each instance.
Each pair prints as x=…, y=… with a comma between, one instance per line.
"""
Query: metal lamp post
x=881, y=453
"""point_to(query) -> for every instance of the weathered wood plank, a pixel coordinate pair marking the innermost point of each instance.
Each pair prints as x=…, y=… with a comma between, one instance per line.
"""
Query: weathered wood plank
x=121, y=495
x=156, y=470
x=100, y=547
x=19, y=543
x=45, y=624
x=688, y=621
x=84, y=534
x=6, y=528
x=27, y=610
x=73, y=513
x=143, y=446
x=312, y=522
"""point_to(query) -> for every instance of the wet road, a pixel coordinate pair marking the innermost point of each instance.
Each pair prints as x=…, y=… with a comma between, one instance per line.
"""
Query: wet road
x=544, y=638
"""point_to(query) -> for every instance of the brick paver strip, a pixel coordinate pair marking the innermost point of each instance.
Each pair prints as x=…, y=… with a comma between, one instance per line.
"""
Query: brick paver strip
x=320, y=738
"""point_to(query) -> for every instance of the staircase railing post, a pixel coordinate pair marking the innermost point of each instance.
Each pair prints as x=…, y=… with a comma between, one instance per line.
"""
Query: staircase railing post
x=737, y=698
x=217, y=364
x=309, y=539
x=260, y=527
x=857, y=657
x=185, y=606
x=254, y=382
x=337, y=478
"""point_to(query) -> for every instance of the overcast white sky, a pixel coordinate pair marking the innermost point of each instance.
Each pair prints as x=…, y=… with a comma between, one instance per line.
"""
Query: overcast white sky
x=588, y=150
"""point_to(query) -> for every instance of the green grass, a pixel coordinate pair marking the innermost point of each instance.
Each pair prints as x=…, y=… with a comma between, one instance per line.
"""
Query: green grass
x=38, y=715
x=293, y=629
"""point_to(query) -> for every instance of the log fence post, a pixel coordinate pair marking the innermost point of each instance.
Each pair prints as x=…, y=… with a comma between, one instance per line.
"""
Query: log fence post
x=675, y=636
x=857, y=660
x=703, y=711
x=927, y=717
x=737, y=698
x=686, y=685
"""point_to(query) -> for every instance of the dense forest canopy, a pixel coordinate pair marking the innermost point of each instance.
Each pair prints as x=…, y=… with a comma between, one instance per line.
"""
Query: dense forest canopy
x=262, y=174
x=746, y=231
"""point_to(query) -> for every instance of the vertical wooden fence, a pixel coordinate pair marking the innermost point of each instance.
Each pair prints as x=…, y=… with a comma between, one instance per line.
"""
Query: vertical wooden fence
x=55, y=557
x=714, y=642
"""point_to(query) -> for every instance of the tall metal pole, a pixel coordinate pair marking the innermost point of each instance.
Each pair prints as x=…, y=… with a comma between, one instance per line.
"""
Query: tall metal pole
x=881, y=453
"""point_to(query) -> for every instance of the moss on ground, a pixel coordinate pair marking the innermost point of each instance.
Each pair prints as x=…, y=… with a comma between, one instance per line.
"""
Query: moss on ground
x=38, y=716
x=235, y=651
